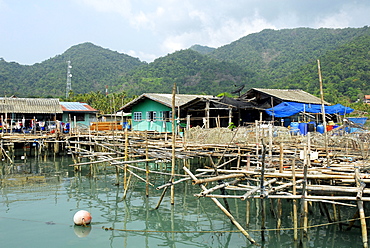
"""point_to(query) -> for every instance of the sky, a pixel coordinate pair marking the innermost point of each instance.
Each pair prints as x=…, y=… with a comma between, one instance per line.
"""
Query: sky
x=32, y=31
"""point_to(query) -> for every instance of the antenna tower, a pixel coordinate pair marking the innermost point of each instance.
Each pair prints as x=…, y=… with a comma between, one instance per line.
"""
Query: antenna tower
x=69, y=79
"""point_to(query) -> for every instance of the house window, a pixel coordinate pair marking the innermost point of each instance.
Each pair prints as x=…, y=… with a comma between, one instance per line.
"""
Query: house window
x=166, y=115
x=151, y=115
x=137, y=116
x=79, y=117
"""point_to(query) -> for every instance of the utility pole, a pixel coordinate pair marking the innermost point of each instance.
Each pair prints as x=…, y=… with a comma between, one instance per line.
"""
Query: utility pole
x=69, y=79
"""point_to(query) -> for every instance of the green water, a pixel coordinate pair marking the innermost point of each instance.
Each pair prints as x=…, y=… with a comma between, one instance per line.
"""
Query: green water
x=39, y=198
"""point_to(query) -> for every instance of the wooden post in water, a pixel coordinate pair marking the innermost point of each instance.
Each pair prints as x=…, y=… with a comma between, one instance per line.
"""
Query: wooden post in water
x=243, y=231
x=279, y=214
x=323, y=114
x=146, y=165
x=304, y=205
x=126, y=158
x=262, y=192
x=295, y=214
x=173, y=144
x=247, y=214
x=361, y=185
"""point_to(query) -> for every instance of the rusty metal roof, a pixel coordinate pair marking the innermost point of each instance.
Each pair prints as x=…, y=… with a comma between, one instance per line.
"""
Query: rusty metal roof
x=30, y=105
x=291, y=95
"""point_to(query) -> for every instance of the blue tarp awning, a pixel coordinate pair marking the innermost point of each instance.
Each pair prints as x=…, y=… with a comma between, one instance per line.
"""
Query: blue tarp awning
x=286, y=109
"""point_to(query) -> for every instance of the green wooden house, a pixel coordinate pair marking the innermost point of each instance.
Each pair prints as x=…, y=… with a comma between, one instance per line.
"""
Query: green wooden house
x=153, y=112
x=78, y=113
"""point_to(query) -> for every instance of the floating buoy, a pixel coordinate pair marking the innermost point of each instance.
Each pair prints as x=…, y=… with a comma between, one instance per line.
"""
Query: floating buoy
x=82, y=218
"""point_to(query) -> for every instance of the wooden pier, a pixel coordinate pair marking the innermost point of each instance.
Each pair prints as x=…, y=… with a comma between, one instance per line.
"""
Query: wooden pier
x=244, y=163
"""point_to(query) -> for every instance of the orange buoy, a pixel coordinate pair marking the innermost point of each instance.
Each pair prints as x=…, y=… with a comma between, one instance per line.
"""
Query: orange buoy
x=82, y=218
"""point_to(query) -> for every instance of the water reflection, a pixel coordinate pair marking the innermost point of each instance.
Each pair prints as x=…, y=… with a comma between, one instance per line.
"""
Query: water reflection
x=82, y=231
x=41, y=191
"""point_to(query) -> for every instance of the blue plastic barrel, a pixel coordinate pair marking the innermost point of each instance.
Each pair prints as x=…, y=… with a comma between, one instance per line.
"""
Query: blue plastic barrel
x=320, y=128
x=303, y=128
x=294, y=127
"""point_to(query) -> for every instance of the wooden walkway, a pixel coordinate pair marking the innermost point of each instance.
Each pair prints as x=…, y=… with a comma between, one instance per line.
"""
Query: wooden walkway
x=253, y=163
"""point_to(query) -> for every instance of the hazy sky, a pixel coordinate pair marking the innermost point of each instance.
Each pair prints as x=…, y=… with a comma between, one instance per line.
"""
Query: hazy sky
x=32, y=31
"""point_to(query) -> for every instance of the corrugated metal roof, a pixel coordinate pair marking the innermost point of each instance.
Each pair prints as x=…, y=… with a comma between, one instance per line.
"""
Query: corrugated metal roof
x=77, y=107
x=30, y=105
x=166, y=99
x=292, y=95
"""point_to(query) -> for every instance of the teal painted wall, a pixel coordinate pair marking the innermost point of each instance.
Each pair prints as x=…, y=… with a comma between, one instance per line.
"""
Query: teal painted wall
x=87, y=119
x=158, y=124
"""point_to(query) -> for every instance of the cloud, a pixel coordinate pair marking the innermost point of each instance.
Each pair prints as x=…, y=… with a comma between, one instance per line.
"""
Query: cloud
x=148, y=57
x=216, y=36
x=179, y=24
x=122, y=7
x=347, y=16
x=149, y=29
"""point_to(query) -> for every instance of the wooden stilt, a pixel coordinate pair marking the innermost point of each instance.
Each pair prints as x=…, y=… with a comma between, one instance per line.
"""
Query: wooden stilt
x=281, y=160
x=161, y=198
x=127, y=186
x=243, y=231
x=295, y=214
x=361, y=185
x=173, y=160
x=146, y=166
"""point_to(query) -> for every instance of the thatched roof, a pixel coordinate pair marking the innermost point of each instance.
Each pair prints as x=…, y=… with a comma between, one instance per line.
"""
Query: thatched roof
x=30, y=105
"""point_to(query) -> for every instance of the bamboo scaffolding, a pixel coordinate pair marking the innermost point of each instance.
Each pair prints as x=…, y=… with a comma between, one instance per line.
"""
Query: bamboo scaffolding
x=232, y=219
x=286, y=176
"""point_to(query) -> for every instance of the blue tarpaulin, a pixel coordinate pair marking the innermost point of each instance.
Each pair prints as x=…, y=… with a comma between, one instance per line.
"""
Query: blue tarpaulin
x=286, y=109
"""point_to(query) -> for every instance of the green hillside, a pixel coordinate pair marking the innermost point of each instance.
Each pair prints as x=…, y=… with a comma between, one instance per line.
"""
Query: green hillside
x=93, y=67
x=202, y=49
x=345, y=73
x=274, y=54
x=193, y=73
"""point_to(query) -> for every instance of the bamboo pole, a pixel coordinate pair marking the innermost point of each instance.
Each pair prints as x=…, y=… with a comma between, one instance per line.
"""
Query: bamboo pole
x=304, y=206
x=295, y=214
x=125, y=184
x=189, y=178
x=323, y=115
x=146, y=165
x=232, y=219
x=281, y=160
x=361, y=211
x=139, y=177
x=173, y=144
x=251, y=192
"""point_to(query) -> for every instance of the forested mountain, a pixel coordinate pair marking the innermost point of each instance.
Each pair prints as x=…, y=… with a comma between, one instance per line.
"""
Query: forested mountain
x=278, y=53
x=202, y=49
x=93, y=67
x=274, y=59
x=268, y=59
x=193, y=73
x=345, y=73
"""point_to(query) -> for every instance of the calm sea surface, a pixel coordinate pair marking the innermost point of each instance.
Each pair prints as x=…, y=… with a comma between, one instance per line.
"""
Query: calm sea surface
x=40, y=196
